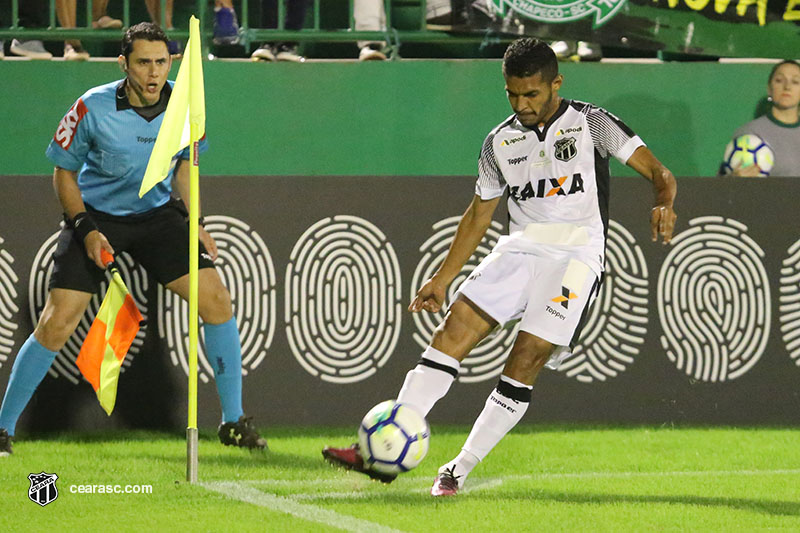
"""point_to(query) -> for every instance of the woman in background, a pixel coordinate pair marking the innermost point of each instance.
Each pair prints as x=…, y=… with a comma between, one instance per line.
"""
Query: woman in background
x=780, y=126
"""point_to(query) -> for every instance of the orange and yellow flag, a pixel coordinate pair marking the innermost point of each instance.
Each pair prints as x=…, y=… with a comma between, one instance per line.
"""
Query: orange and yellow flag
x=109, y=338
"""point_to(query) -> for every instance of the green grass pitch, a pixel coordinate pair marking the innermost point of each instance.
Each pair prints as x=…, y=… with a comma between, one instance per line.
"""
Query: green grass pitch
x=540, y=478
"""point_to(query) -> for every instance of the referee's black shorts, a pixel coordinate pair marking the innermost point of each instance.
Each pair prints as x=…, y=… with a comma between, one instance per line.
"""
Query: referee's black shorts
x=157, y=239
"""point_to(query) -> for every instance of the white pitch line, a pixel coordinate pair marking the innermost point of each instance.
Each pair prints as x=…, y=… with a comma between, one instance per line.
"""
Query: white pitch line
x=312, y=513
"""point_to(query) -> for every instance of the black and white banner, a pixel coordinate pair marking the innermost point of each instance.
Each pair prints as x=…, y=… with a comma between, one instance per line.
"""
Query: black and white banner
x=321, y=270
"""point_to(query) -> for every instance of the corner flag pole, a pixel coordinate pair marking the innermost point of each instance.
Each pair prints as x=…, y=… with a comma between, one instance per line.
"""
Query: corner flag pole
x=196, y=127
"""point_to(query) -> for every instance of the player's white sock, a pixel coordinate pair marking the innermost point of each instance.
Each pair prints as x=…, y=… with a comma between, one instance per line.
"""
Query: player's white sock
x=504, y=408
x=429, y=381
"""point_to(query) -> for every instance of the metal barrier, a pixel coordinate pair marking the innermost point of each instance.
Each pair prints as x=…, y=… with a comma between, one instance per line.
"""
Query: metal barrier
x=249, y=35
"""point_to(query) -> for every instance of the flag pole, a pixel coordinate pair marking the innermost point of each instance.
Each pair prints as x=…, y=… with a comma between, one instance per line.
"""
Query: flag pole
x=195, y=104
x=194, y=201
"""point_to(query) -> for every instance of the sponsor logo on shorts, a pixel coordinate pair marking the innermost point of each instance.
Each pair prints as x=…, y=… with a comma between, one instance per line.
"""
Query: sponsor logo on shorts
x=555, y=313
x=66, y=128
x=509, y=142
x=566, y=296
x=517, y=160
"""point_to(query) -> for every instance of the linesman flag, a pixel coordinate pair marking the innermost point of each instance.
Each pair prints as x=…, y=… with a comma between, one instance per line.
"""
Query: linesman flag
x=186, y=106
x=109, y=338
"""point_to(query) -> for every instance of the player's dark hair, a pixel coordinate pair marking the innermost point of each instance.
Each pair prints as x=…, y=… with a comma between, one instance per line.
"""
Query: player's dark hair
x=779, y=65
x=144, y=30
x=525, y=57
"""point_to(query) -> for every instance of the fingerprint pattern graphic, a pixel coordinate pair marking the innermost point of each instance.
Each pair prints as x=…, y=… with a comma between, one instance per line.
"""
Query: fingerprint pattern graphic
x=135, y=278
x=616, y=326
x=790, y=302
x=487, y=359
x=8, y=304
x=343, y=299
x=714, y=300
x=246, y=268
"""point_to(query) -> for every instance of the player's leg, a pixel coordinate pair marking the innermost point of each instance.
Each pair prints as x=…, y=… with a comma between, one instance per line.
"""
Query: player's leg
x=161, y=247
x=490, y=295
x=60, y=317
x=73, y=281
x=559, y=297
x=503, y=409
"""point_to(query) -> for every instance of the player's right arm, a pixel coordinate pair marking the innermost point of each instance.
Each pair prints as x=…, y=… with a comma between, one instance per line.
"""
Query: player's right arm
x=65, y=183
x=471, y=229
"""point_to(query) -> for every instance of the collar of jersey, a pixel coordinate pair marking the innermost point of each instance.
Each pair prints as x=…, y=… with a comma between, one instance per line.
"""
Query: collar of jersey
x=543, y=133
x=780, y=123
x=122, y=97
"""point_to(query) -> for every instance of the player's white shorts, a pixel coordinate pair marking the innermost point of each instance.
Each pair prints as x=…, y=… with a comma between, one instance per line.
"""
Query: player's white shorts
x=550, y=296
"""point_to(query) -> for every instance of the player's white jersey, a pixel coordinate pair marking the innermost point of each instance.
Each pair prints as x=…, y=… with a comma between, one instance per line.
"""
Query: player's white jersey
x=557, y=179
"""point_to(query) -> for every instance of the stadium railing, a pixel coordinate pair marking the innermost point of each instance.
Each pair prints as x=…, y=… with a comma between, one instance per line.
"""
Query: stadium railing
x=393, y=36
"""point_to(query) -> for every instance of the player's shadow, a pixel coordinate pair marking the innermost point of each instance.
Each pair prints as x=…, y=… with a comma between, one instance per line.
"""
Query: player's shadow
x=772, y=507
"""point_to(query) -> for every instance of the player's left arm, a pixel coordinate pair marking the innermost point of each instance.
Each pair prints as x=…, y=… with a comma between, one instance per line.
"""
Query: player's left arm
x=181, y=181
x=662, y=216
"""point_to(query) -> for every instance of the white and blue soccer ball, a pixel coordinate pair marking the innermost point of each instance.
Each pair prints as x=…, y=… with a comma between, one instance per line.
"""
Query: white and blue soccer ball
x=748, y=150
x=393, y=438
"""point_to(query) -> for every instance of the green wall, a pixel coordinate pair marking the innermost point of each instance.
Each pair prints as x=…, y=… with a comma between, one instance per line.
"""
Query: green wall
x=392, y=118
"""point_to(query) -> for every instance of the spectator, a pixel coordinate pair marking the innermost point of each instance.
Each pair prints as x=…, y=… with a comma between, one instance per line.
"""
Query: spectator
x=67, y=18
x=226, y=27
x=295, y=17
x=29, y=17
x=370, y=15
x=780, y=126
x=576, y=51
x=154, y=10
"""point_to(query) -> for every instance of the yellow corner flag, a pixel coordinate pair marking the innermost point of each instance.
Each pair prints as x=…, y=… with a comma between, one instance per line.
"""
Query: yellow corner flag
x=109, y=339
x=186, y=107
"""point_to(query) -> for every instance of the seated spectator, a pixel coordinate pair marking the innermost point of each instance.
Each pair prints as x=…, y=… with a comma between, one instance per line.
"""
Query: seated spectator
x=30, y=13
x=226, y=26
x=67, y=18
x=370, y=15
x=154, y=10
x=295, y=17
x=576, y=51
x=780, y=126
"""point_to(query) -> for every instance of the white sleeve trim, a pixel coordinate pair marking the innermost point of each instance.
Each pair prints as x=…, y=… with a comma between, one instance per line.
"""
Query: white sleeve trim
x=487, y=193
x=628, y=148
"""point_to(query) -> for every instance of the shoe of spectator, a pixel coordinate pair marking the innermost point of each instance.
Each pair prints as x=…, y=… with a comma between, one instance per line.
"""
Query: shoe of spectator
x=5, y=443
x=107, y=23
x=226, y=27
x=75, y=53
x=439, y=16
x=289, y=53
x=241, y=433
x=350, y=459
x=371, y=52
x=30, y=49
x=588, y=51
x=263, y=53
x=563, y=49
x=2, y=49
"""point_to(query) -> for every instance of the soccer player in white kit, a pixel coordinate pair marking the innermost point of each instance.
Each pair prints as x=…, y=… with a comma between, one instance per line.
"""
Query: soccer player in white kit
x=550, y=161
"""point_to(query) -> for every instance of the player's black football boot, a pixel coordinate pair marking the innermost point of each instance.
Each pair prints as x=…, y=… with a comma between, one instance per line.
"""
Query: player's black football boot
x=5, y=443
x=350, y=459
x=241, y=433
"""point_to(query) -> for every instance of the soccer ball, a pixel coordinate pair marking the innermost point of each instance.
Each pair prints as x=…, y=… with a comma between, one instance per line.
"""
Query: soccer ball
x=748, y=150
x=393, y=438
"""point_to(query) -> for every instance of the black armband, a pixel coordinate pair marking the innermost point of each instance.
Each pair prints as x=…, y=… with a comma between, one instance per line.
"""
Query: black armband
x=83, y=225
